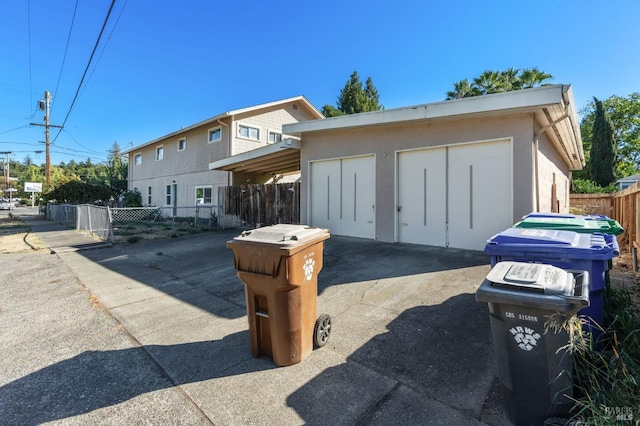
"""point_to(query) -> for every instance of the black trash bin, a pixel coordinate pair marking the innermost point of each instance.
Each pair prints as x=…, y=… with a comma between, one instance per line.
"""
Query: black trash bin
x=528, y=304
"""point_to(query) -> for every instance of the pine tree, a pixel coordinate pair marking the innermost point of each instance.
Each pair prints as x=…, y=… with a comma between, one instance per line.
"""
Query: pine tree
x=354, y=98
x=602, y=148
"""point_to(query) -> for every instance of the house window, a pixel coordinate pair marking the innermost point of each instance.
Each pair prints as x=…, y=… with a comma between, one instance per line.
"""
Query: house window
x=249, y=132
x=137, y=159
x=149, y=203
x=203, y=194
x=182, y=144
x=275, y=137
x=215, y=134
x=159, y=153
x=167, y=200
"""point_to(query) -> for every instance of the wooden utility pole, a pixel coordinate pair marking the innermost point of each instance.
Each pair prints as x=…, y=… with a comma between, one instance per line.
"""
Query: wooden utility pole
x=43, y=105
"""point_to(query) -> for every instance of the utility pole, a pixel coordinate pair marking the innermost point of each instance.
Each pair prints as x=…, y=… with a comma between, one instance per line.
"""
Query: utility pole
x=7, y=176
x=43, y=105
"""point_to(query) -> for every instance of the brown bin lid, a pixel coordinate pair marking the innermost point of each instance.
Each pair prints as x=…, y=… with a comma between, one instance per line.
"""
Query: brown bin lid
x=281, y=235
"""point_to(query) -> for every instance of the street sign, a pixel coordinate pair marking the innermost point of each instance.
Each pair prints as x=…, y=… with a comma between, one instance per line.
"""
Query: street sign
x=32, y=187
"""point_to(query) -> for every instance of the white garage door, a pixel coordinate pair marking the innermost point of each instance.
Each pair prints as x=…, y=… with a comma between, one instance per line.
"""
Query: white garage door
x=342, y=196
x=455, y=196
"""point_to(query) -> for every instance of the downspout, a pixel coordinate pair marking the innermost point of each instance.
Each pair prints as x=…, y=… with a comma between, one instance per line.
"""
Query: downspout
x=227, y=126
x=536, y=135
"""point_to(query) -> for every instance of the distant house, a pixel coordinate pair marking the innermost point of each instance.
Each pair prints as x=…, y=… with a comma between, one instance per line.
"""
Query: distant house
x=626, y=182
x=173, y=170
x=448, y=174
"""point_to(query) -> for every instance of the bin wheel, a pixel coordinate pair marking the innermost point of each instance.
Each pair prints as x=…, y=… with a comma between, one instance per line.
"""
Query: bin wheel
x=322, y=331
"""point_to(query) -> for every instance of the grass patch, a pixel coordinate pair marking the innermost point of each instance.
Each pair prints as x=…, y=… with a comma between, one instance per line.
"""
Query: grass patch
x=134, y=239
x=607, y=382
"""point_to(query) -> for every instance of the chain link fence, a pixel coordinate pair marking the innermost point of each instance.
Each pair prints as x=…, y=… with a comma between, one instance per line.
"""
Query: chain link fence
x=95, y=220
x=196, y=216
x=107, y=223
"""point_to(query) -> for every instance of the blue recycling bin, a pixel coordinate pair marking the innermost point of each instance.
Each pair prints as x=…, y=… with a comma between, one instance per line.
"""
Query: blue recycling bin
x=568, y=250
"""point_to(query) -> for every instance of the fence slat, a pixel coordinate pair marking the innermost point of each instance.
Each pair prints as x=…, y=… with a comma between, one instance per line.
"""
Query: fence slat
x=268, y=204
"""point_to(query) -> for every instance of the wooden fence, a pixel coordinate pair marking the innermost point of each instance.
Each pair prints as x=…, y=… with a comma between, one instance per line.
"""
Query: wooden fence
x=592, y=204
x=623, y=206
x=261, y=205
x=627, y=211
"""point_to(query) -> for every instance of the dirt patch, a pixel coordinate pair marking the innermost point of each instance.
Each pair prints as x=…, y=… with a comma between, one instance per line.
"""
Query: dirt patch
x=134, y=232
x=623, y=277
x=16, y=237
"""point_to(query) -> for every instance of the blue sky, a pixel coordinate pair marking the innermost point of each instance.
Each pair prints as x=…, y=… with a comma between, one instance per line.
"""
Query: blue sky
x=162, y=65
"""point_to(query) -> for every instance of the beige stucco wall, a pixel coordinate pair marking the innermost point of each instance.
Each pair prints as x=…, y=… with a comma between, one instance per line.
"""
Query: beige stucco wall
x=190, y=167
x=384, y=141
x=552, y=168
x=186, y=184
x=267, y=120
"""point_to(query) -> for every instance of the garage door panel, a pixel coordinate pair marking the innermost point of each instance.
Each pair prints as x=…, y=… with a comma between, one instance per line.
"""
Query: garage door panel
x=325, y=181
x=480, y=193
x=421, y=196
x=456, y=196
x=343, y=196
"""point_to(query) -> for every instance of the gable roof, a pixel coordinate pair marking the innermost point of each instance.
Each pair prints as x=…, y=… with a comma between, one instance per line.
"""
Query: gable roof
x=552, y=105
x=632, y=178
x=231, y=113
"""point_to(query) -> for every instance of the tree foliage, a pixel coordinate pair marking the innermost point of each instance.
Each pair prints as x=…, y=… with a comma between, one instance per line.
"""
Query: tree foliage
x=74, y=182
x=355, y=98
x=76, y=191
x=499, y=81
x=602, y=148
x=624, y=115
x=585, y=186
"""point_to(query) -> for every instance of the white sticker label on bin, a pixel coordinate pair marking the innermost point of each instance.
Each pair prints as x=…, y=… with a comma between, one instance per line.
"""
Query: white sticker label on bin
x=525, y=337
x=308, y=268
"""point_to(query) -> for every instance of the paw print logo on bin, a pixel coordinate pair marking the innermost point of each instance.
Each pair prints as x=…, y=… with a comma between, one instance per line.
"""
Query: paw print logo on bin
x=308, y=268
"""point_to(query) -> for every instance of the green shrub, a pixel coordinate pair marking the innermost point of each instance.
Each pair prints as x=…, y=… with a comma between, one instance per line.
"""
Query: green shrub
x=609, y=380
x=584, y=186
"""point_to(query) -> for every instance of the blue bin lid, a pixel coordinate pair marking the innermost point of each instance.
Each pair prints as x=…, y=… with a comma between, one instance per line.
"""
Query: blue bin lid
x=569, y=244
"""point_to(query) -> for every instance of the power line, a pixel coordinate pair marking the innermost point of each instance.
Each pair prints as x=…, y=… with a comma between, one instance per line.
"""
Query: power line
x=78, y=143
x=66, y=49
x=29, y=36
x=105, y=45
x=113, y=2
x=13, y=130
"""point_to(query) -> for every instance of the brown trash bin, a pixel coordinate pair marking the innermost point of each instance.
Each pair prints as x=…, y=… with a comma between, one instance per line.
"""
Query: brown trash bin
x=279, y=266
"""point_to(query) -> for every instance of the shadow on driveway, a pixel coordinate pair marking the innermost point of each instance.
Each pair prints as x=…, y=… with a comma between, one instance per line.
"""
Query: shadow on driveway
x=98, y=379
x=439, y=357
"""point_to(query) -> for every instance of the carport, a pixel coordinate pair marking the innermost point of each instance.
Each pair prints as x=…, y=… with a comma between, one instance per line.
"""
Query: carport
x=276, y=159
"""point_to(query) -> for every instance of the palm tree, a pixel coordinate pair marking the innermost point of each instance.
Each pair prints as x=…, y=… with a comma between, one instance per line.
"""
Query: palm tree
x=488, y=82
x=533, y=77
x=509, y=79
x=462, y=89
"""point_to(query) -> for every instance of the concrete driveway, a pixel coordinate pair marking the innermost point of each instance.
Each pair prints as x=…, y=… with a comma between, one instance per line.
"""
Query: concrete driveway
x=156, y=332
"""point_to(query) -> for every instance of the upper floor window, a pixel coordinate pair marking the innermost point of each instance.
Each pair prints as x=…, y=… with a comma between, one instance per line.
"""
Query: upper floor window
x=159, y=153
x=182, y=144
x=137, y=159
x=275, y=137
x=215, y=134
x=249, y=132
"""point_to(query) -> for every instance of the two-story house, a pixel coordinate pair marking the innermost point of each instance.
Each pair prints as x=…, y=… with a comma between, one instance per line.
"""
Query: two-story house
x=173, y=170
